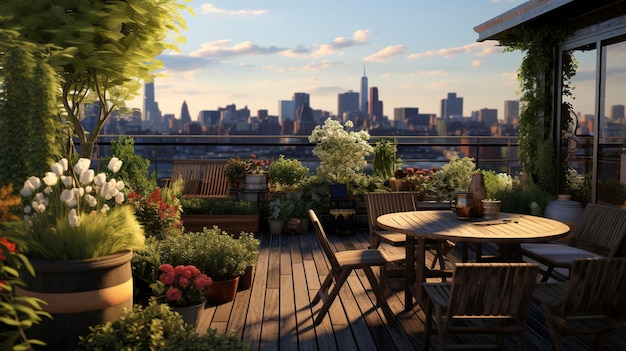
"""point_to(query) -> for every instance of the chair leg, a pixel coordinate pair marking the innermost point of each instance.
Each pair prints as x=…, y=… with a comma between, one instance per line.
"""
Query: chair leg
x=381, y=301
x=384, y=270
x=323, y=289
x=343, y=276
x=547, y=274
x=374, y=241
x=428, y=324
x=440, y=332
x=552, y=327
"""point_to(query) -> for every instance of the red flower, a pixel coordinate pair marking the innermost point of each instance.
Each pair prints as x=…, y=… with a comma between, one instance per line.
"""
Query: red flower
x=10, y=247
x=173, y=294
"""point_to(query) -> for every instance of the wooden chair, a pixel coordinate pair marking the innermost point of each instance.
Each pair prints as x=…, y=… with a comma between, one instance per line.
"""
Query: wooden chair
x=342, y=264
x=596, y=291
x=483, y=298
x=599, y=233
x=379, y=203
x=203, y=178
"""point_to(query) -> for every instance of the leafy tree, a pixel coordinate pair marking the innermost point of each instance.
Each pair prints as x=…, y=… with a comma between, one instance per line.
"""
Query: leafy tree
x=99, y=49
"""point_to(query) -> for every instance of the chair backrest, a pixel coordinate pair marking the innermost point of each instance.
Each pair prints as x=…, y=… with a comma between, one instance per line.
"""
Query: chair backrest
x=601, y=230
x=492, y=290
x=203, y=178
x=597, y=286
x=321, y=237
x=379, y=204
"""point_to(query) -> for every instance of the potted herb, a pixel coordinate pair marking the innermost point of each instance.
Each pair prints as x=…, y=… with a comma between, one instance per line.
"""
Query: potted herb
x=216, y=253
x=275, y=217
x=230, y=215
x=235, y=171
x=285, y=174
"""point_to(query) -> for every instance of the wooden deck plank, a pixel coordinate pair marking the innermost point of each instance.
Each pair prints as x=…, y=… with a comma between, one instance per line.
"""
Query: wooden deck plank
x=276, y=312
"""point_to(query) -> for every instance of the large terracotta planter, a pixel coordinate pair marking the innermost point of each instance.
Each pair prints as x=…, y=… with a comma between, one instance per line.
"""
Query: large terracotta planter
x=222, y=291
x=79, y=294
x=233, y=224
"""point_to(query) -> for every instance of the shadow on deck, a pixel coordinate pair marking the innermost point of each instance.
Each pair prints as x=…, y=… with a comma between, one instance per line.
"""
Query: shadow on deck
x=275, y=313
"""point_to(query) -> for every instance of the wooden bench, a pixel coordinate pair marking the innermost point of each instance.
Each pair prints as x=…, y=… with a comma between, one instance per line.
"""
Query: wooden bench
x=203, y=178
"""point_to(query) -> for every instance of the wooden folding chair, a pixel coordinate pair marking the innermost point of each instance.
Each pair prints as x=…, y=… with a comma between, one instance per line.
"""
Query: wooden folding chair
x=599, y=233
x=483, y=298
x=379, y=203
x=592, y=302
x=342, y=264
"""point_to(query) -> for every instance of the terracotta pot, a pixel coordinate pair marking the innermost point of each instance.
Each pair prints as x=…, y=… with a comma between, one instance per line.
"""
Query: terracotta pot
x=222, y=291
x=80, y=294
x=245, y=280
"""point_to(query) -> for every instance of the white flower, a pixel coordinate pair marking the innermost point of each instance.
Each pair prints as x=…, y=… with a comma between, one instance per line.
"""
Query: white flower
x=105, y=208
x=47, y=190
x=70, y=197
x=88, y=189
x=92, y=201
x=25, y=192
x=115, y=164
x=81, y=166
x=119, y=198
x=27, y=209
x=119, y=185
x=67, y=181
x=100, y=179
x=73, y=218
x=66, y=194
x=87, y=176
x=32, y=183
x=50, y=179
x=39, y=207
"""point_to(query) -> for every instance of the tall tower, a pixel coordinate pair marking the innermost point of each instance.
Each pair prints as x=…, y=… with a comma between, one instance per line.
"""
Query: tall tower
x=185, y=117
x=452, y=106
x=347, y=102
x=364, y=93
x=152, y=118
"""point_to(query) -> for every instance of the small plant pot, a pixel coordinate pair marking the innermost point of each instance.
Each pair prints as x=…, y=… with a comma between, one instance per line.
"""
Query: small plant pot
x=491, y=209
x=245, y=280
x=190, y=314
x=276, y=226
x=222, y=291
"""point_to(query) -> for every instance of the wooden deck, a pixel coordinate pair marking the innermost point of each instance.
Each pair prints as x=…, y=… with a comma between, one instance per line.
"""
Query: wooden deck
x=275, y=314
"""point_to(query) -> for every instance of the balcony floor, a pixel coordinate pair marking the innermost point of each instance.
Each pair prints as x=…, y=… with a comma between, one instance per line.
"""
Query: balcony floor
x=275, y=313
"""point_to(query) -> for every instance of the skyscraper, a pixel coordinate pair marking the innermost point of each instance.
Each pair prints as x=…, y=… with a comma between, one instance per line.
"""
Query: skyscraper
x=364, y=93
x=152, y=118
x=348, y=102
x=185, y=117
x=452, y=106
x=300, y=100
x=375, y=108
x=511, y=111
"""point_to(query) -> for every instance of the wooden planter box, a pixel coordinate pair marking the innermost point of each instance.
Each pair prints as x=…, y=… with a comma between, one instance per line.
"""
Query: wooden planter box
x=232, y=224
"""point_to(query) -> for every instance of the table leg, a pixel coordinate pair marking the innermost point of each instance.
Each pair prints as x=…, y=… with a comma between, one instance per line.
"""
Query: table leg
x=414, y=271
x=510, y=252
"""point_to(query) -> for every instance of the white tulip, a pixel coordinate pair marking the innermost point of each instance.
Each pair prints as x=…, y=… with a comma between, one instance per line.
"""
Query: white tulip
x=73, y=218
x=100, y=179
x=87, y=176
x=57, y=168
x=64, y=164
x=120, y=185
x=115, y=164
x=119, y=198
x=27, y=209
x=81, y=166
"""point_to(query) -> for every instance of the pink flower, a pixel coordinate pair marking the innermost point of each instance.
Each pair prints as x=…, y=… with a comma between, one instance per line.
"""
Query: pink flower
x=173, y=294
x=166, y=267
x=183, y=281
x=203, y=281
x=167, y=278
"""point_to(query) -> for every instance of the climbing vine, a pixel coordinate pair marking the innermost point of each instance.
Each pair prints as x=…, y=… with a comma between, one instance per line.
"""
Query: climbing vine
x=536, y=77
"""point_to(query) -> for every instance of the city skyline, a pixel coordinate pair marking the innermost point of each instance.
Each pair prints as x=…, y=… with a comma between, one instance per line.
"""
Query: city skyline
x=414, y=52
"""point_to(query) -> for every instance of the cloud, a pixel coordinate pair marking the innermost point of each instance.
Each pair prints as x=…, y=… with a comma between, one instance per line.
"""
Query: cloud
x=315, y=66
x=297, y=52
x=210, y=8
x=359, y=37
x=325, y=90
x=477, y=63
x=432, y=73
x=180, y=63
x=386, y=53
x=478, y=49
x=225, y=48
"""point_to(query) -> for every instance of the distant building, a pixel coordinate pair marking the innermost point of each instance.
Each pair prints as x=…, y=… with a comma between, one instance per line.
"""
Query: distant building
x=347, y=103
x=364, y=92
x=617, y=112
x=152, y=118
x=488, y=116
x=511, y=111
x=451, y=106
x=286, y=110
x=185, y=117
x=375, y=108
x=301, y=99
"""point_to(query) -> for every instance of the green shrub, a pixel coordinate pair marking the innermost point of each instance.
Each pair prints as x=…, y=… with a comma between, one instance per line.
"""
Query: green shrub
x=216, y=253
x=287, y=173
x=519, y=198
x=153, y=328
x=217, y=206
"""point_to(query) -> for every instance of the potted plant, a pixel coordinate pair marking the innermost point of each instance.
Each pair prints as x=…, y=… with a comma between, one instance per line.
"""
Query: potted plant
x=285, y=174
x=453, y=177
x=295, y=209
x=385, y=158
x=491, y=208
x=251, y=245
x=183, y=288
x=145, y=266
x=80, y=231
x=235, y=171
x=275, y=217
x=215, y=252
x=230, y=215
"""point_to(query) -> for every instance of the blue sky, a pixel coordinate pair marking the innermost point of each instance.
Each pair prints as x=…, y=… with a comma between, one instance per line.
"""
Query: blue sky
x=256, y=53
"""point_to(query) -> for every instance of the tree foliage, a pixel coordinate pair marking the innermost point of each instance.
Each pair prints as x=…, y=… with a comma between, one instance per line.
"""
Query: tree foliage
x=100, y=50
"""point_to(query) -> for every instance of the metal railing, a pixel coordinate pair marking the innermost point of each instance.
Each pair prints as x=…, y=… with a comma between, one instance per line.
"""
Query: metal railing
x=495, y=153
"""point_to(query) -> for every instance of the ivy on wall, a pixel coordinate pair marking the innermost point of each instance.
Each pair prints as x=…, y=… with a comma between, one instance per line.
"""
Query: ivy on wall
x=536, y=75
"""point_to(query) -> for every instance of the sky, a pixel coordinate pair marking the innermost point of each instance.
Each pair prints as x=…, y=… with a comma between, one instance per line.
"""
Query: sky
x=256, y=53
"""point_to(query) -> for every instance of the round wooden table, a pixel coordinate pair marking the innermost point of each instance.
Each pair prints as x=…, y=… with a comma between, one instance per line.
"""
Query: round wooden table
x=509, y=231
